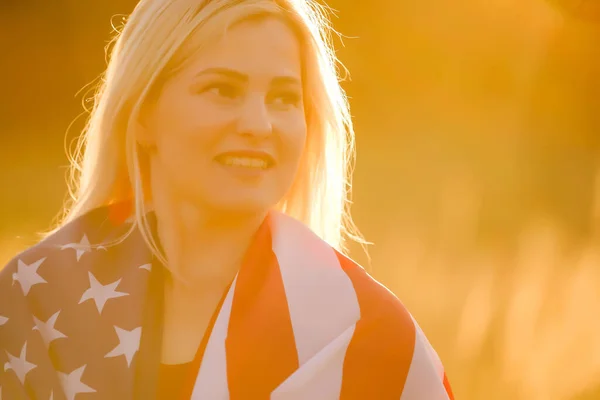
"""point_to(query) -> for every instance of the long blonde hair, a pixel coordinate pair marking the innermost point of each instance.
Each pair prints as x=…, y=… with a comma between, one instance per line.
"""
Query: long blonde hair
x=158, y=38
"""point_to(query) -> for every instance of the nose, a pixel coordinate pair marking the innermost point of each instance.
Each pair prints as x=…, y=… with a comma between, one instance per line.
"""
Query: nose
x=254, y=120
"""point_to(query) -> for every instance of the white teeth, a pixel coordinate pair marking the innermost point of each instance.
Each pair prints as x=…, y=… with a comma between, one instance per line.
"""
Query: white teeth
x=245, y=162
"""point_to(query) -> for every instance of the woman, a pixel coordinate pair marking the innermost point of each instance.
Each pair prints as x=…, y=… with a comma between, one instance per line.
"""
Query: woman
x=202, y=254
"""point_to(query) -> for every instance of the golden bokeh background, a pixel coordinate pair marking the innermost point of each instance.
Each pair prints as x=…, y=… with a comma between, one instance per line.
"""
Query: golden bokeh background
x=477, y=174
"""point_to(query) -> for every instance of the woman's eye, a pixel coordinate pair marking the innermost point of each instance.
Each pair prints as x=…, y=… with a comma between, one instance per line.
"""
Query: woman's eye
x=223, y=90
x=286, y=99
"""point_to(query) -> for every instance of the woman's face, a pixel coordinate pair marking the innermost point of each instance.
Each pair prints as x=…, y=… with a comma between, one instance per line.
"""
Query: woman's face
x=229, y=129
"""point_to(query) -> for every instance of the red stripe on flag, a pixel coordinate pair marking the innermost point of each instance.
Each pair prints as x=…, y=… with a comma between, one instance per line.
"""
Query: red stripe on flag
x=261, y=350
x=447, y=387
x=380, y=352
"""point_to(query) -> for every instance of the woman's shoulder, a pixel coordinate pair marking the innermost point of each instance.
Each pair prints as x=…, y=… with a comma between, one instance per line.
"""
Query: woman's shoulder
x=66, y=246
x=376, y=301
x=41, y=277
x=389, y=339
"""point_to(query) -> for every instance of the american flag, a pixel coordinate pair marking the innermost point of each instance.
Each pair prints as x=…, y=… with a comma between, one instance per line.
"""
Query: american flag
x=81, y=319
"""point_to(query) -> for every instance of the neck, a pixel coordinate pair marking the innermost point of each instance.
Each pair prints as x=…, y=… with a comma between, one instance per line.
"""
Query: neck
x=204, y=249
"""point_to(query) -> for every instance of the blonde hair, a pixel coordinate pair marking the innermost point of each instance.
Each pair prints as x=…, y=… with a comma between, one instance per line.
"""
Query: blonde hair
x=156, y=39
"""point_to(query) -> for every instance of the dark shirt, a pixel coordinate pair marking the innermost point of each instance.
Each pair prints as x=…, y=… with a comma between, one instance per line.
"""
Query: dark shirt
x=176, y=381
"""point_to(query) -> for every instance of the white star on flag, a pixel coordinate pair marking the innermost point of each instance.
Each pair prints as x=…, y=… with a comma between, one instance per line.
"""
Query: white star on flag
x=80, y=248
x=47, y=330
x=72, y=384
x=147, y=267
x=3, y=320
x=101, y=293
x=129, y=344
x=19, y=365
x=27, y=275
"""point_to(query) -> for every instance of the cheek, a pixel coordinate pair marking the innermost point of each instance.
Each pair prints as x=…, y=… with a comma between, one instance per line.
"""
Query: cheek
x=180, y=140
x=294, y=135
x=188, y=123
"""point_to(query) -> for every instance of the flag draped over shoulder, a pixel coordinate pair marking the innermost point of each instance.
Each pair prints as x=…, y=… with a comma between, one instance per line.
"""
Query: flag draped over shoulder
x=82, y=320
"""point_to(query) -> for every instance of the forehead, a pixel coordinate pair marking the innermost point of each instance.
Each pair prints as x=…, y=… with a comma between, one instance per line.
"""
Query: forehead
x=256, y=46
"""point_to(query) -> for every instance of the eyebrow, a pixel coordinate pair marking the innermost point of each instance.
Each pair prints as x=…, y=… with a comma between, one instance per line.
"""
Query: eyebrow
x=232, y=74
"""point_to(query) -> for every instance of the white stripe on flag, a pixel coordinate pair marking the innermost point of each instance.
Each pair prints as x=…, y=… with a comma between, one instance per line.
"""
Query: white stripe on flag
x=211, y=382
x=424, y=380
x=439, y=367
x=320, y=296
x=321, y=376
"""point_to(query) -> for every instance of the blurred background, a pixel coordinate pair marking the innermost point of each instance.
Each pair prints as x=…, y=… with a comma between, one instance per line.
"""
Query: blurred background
x=477, y=175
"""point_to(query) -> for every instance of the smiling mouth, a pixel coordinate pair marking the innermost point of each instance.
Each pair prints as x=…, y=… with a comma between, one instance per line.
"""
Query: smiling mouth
x=254, y=161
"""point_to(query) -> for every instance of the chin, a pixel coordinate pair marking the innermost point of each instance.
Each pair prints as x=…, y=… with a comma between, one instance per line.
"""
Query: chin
x=242, y=205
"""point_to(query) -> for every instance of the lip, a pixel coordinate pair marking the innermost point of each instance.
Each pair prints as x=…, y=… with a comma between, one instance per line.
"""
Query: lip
x=264, y=155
